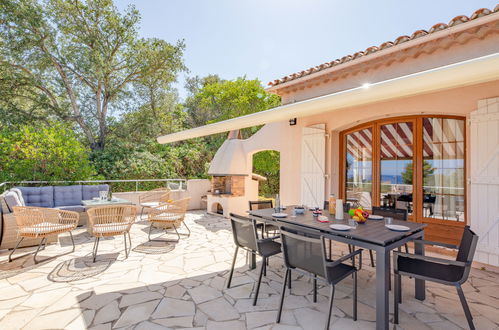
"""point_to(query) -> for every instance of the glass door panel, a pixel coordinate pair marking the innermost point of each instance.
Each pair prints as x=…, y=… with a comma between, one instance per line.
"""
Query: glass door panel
x=443, y=169
x=396, y=165
x=358, y=168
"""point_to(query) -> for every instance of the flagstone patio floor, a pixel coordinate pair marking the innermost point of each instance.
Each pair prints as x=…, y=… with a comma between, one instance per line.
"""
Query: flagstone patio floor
x=183, y=285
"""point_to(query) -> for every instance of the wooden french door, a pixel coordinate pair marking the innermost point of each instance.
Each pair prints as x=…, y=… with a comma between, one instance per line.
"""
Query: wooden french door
x=415, y=163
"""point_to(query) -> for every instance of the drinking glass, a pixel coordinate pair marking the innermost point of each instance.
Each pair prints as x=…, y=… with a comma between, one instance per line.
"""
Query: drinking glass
x=388, y=220
x=103, y=195
x=352, y=223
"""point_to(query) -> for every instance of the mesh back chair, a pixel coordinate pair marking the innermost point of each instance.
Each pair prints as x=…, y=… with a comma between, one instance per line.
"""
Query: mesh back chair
x=40, y=222
x=444, y=271
x=246, y=237
x=109, y=221
x=307, y=255
x=260, y=205
x=153, y=198
x=397, y=214
x=169, y=215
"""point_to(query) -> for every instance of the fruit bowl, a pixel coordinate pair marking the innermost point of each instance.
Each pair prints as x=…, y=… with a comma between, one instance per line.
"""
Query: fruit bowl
x=359, y=215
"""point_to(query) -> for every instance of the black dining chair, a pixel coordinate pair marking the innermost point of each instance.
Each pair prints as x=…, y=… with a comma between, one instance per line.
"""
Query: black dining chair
x=397, y=214
x=259, y=205
x=246, y=237
x=443, y=271
x=307, y=255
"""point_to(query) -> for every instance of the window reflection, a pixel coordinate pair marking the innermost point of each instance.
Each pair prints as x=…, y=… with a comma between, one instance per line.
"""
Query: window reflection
x=359, y=168
x=443, y=168
x=396, y=165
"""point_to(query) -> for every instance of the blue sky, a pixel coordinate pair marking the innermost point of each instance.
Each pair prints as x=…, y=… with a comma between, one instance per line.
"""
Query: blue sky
x=268, y=39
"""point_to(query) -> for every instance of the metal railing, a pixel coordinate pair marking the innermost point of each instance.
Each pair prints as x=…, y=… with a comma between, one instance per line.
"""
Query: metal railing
x=173, y=184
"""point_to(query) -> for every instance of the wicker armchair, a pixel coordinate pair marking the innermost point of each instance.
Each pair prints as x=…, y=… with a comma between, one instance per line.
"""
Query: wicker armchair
x=169, y=215
x=40, y=222
x=112, y=220
x=153, y=198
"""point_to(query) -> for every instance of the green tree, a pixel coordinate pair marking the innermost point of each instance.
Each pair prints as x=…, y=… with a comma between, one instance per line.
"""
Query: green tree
x=43, y=153
x=267, y=163
x=427, y=172
x=80, y=61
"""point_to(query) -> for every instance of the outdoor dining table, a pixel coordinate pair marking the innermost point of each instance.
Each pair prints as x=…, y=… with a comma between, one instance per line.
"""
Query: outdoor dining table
x=371, y=235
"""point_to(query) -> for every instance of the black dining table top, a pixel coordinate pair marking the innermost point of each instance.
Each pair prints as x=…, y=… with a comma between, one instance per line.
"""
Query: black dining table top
x=372, y=231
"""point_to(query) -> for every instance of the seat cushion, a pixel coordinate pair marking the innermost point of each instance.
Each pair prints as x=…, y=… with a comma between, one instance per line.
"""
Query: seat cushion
x=38, y=196
x=269, y=248
x=91, y=191
x=74, y=208
x=339, y=272
x=449, y=273
x=149, y=204
x=45, y=228
x=12, y=199
x=67, y=195
x=109, y=228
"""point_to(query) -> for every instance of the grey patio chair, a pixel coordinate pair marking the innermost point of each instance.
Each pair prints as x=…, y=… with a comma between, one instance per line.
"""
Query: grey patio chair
x=259, y=205
x=307, y=255
x=246, y=237
x=443, y=271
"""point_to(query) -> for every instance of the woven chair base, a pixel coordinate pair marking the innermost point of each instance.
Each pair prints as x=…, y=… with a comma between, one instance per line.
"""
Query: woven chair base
x=41, y=247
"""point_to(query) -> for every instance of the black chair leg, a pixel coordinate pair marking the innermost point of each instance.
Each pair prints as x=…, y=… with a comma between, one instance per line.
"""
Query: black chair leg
x=262, y=268
x=72, y=241
x=149, y=234
x=406, y=248
x=44, y=240
x=189, y=234
x=289, y=279
x=315, y=288
x=232, y=267
x=126, y=249
x=176, y=231
x=355, y=296
x=331, y=298
x=372, y=257
x=266, y=262
x=96, y=247
x=398, y=279
x=466, y=308
x=288, y=271
x=396, y=292
x=15, y=248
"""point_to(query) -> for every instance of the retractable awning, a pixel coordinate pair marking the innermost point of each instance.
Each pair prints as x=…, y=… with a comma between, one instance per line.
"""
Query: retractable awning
x=474, y=71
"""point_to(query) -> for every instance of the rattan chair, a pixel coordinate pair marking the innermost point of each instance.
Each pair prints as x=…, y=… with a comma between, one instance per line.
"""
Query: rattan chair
x=40, y=222
x=109, y=221
x=153, y=198
x=169, y=215
x=439, y=270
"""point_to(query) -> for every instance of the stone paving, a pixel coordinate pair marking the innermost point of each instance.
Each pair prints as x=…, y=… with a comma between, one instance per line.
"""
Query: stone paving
x=183, y=285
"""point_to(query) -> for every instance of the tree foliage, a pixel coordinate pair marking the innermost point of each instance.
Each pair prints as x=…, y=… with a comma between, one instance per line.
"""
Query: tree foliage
x=43, y=153
x=78, y=60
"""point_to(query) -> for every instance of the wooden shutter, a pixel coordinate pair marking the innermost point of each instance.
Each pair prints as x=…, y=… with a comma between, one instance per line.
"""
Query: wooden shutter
x=484, y=179
x=313, y=155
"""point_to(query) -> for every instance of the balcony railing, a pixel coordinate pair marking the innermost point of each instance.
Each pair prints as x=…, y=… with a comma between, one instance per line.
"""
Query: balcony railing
x=173, y=184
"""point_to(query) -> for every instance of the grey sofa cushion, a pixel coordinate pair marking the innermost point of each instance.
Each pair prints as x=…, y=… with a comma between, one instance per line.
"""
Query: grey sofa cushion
x=67, y=195
x=38, y=196
x=74, y=208
x=90, y=192
x=20, y=194
x=12, y=199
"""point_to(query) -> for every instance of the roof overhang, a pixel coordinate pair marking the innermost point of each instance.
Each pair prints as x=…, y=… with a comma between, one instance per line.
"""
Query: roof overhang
x=470, y=72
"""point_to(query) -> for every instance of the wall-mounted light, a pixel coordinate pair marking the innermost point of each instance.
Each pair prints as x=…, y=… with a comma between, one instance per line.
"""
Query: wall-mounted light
x=292, y=122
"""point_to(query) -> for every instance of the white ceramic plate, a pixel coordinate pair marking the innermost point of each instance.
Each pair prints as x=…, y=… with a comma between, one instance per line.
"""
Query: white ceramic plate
x=397, y=227
x=279, y=215
x=375, y=217
x=340, y=227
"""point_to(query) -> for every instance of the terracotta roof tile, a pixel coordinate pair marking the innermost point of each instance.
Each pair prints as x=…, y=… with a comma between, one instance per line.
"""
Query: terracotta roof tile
x=373, y=49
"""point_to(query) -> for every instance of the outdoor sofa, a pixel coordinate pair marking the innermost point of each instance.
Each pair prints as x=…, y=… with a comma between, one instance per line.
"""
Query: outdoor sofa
x=67, y=198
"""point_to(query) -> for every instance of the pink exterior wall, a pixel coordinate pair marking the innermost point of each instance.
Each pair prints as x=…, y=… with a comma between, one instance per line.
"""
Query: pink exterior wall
x=460, y=101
